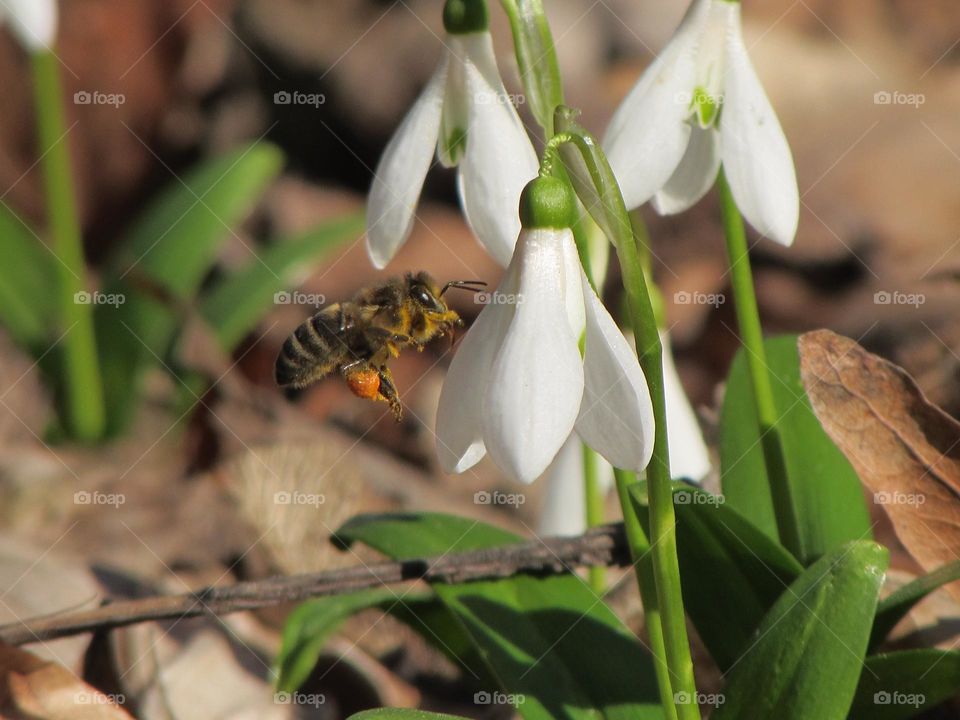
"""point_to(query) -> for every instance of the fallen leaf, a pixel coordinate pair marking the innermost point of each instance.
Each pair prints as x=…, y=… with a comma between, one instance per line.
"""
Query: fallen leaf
x=905, y=449
x=40, y=690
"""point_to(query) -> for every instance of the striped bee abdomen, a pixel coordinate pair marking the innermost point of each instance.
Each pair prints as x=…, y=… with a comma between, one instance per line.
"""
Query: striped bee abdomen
x=313, y=351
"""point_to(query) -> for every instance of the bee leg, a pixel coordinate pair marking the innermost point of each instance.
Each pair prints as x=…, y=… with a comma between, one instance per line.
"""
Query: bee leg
x=388, y=392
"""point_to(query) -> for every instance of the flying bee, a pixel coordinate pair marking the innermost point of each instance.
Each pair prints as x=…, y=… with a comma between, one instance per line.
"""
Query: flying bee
x=358, y=337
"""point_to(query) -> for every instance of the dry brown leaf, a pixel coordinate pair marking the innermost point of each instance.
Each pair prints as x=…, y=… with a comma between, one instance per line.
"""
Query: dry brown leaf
x=41, y=690
x=905, y=449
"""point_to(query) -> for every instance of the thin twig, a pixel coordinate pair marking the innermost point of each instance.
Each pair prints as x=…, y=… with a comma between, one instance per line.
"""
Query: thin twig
x=604, y=545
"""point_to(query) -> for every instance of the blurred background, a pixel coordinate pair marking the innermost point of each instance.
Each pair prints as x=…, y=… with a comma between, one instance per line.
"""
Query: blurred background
x=185, y=492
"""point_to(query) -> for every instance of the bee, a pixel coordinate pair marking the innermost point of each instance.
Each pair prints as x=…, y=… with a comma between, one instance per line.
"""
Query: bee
x=358, y=337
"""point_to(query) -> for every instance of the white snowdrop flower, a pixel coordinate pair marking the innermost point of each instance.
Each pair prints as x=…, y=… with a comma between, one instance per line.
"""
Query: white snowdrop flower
x=689, y=457
x=33, y=22
x=518, y=386
x=698, y=105
x=465, y=114
x=564, y=510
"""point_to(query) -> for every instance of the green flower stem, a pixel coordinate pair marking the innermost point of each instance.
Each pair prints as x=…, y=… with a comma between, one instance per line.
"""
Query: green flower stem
x=594, y=507
x=751, y=335
x=83, y=391
x=647, y=580
x=611, y=214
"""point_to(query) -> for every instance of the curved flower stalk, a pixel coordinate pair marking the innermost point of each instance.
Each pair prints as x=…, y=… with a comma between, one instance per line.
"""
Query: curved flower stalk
x=465, y=114
x=34, y=22
x=518, y=386
x=700, y=105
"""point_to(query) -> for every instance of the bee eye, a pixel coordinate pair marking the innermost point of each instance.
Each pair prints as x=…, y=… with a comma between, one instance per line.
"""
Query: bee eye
x=424, y=297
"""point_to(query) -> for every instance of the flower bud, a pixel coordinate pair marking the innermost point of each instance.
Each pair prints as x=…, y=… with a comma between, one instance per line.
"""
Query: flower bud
x=548, y=202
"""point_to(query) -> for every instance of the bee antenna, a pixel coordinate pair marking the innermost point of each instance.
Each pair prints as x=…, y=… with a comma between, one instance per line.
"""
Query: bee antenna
x=472, y=285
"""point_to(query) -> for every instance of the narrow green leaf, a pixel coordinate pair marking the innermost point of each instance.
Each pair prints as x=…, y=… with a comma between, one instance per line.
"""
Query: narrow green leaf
x=828, y=495
x=731, y=572
x=401, y=714
x=236, y=303
x=308, y=628
x=28, y=277
x=901, y=685
x=893, y=608
x=554, y=646
x=536, y=58
x=806, y=657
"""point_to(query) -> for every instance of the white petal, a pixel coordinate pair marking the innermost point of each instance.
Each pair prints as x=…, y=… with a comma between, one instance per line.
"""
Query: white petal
x=401, y=171
x=756, y=156
x=572, y=292
x=695, y=174
x=648, y=134
x=499, y=160
x=689, y=457
x=456, y=105
x=536, y=383
x=34, y=22
x=564, y=510
x=616, y=418
x=459, y=427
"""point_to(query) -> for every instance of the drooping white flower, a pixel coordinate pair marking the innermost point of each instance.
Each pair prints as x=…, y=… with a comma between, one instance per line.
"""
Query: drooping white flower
x=689, y=457
x=564, y=509
x=700, y=104
x=34, y=22
x=518, y=386
x=465, y=114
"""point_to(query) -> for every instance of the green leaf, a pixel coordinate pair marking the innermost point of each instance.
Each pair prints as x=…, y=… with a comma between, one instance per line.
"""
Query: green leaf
x=827, y=491
x=308, y=628
x=550, y=641
x=236, y=303
x=536, y=58
x=901, y=684
x=893, y=608
x=401, y=714
x=28, y=279
x=807, y=654
x=162, y=262
x=731, y=572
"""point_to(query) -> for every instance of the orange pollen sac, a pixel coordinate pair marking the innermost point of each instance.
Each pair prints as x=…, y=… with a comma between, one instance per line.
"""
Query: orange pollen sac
x=364, y=383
